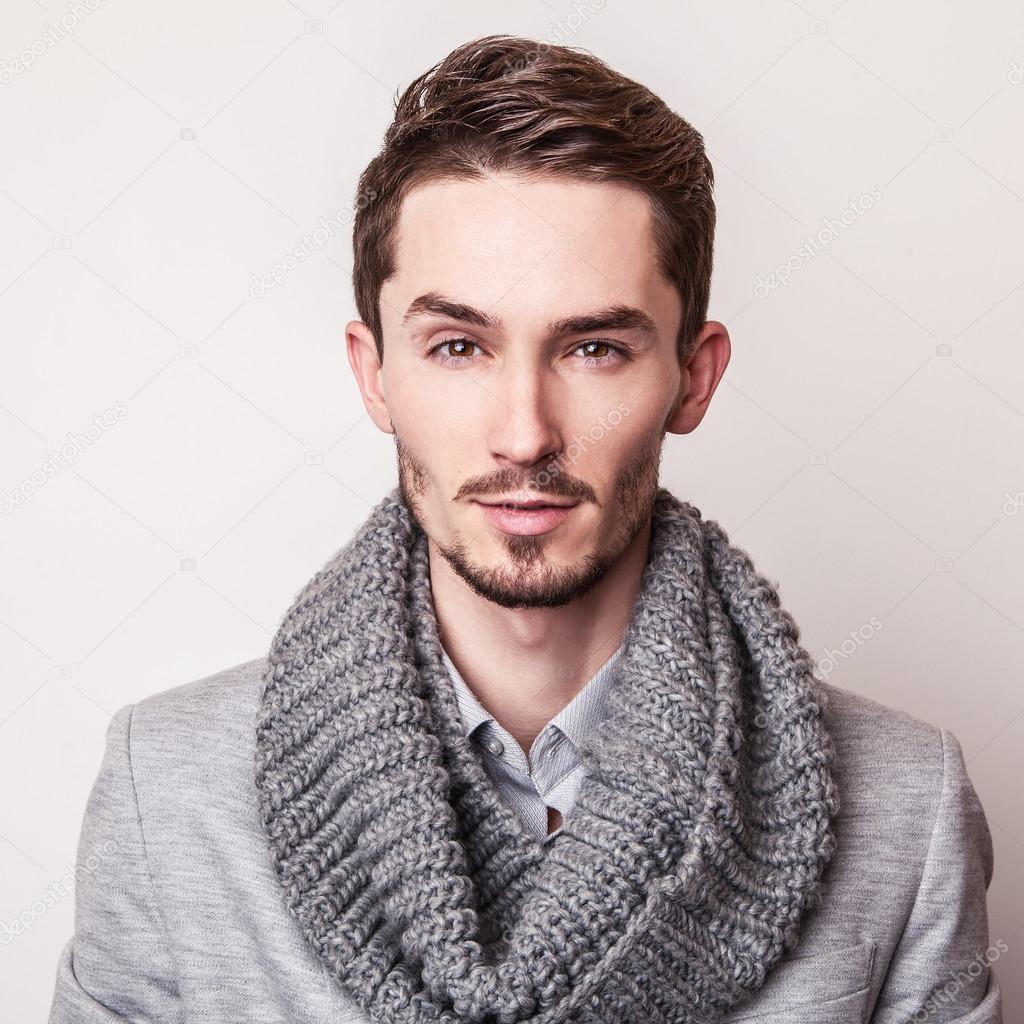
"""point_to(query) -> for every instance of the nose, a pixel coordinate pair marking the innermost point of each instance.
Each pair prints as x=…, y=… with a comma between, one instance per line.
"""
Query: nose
x=524, y=419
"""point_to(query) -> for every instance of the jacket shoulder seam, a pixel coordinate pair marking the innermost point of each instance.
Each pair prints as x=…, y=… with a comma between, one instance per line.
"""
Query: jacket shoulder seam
x=943, y=777
x=150, y=887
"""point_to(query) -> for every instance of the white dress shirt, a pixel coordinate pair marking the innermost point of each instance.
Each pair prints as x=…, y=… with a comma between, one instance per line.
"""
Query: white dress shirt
x=551, y=774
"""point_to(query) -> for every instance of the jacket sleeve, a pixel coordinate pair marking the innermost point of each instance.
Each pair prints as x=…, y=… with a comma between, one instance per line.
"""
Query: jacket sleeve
x=116, y=966
x=942, y=968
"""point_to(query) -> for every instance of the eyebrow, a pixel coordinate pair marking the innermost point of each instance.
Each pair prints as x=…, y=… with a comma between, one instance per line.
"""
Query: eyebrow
x=613, y=318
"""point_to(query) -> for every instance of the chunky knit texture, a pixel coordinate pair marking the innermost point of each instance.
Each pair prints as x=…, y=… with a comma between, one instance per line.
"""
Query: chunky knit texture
x=685, y=870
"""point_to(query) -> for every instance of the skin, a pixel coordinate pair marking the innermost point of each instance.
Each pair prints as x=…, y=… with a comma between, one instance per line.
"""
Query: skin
x=516, y=410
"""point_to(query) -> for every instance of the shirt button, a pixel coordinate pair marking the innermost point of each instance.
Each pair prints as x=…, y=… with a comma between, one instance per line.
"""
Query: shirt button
x=494, y=745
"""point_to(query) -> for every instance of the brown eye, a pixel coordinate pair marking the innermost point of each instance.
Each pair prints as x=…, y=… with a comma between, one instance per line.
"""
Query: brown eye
x=459, y=350
x=595, y=352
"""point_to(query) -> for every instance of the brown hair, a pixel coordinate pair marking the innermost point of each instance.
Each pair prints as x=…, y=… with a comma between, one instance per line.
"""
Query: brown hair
x=505, y=103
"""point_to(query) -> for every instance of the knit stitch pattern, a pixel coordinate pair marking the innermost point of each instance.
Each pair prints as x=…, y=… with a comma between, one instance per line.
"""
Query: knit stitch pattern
x=697, y=844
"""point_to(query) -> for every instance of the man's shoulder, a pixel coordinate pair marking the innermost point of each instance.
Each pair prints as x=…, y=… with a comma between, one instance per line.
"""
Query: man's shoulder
x=212, y=718
x=856, y=719
x=889, y=761
x=217, y=694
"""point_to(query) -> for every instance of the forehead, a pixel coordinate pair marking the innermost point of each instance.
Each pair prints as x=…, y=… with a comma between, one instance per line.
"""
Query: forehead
x=530, y=247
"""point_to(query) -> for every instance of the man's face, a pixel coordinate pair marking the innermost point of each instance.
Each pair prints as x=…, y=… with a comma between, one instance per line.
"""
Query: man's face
x=529, y=354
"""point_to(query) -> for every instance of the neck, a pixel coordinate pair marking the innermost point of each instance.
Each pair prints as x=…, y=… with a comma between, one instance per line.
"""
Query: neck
x=525, y=664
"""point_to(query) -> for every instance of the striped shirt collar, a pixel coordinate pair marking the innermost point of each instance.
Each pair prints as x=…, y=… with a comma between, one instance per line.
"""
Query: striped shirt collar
x=575, y=720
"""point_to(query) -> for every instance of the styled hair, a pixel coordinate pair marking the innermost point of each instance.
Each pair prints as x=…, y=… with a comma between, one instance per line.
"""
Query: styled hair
x=503, y=103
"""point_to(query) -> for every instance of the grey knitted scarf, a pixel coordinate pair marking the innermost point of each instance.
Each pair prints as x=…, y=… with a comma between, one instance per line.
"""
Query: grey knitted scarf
x=699, y=837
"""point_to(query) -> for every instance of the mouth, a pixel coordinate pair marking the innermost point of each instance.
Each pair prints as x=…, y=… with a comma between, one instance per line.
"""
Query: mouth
x=526, y=518
x=531, y=503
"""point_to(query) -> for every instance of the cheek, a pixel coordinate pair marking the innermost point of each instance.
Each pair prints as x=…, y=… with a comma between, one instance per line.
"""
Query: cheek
x=647, y=409
x=412, y=403
x=417, y=390
x=631, y=424
x=444, y=444
x=612, y=444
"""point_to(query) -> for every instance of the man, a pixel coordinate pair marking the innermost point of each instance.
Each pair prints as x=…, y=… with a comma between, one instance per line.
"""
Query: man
x=538, y=743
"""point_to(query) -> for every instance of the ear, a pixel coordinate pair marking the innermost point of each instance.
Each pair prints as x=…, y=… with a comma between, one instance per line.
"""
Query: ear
x=700, y=376
x=362, y=356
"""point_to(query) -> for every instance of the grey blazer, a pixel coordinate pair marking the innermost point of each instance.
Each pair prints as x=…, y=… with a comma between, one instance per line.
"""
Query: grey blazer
x=179, y=916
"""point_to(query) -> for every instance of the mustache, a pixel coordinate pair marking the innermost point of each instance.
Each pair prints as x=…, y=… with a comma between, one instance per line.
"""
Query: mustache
x=546, y=483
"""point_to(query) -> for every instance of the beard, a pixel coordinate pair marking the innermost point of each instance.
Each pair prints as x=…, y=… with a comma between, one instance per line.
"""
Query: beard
x=527, y=578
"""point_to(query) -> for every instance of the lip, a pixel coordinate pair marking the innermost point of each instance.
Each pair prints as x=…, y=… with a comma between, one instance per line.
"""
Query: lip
x=535, y=518
x=529, y=503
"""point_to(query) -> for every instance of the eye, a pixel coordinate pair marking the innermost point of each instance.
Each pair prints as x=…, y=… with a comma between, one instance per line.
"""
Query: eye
x=591, y=358
x=593, y=352
x=462, y=346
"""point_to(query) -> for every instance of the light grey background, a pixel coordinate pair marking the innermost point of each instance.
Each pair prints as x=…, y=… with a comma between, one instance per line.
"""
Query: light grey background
x=866, y=444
